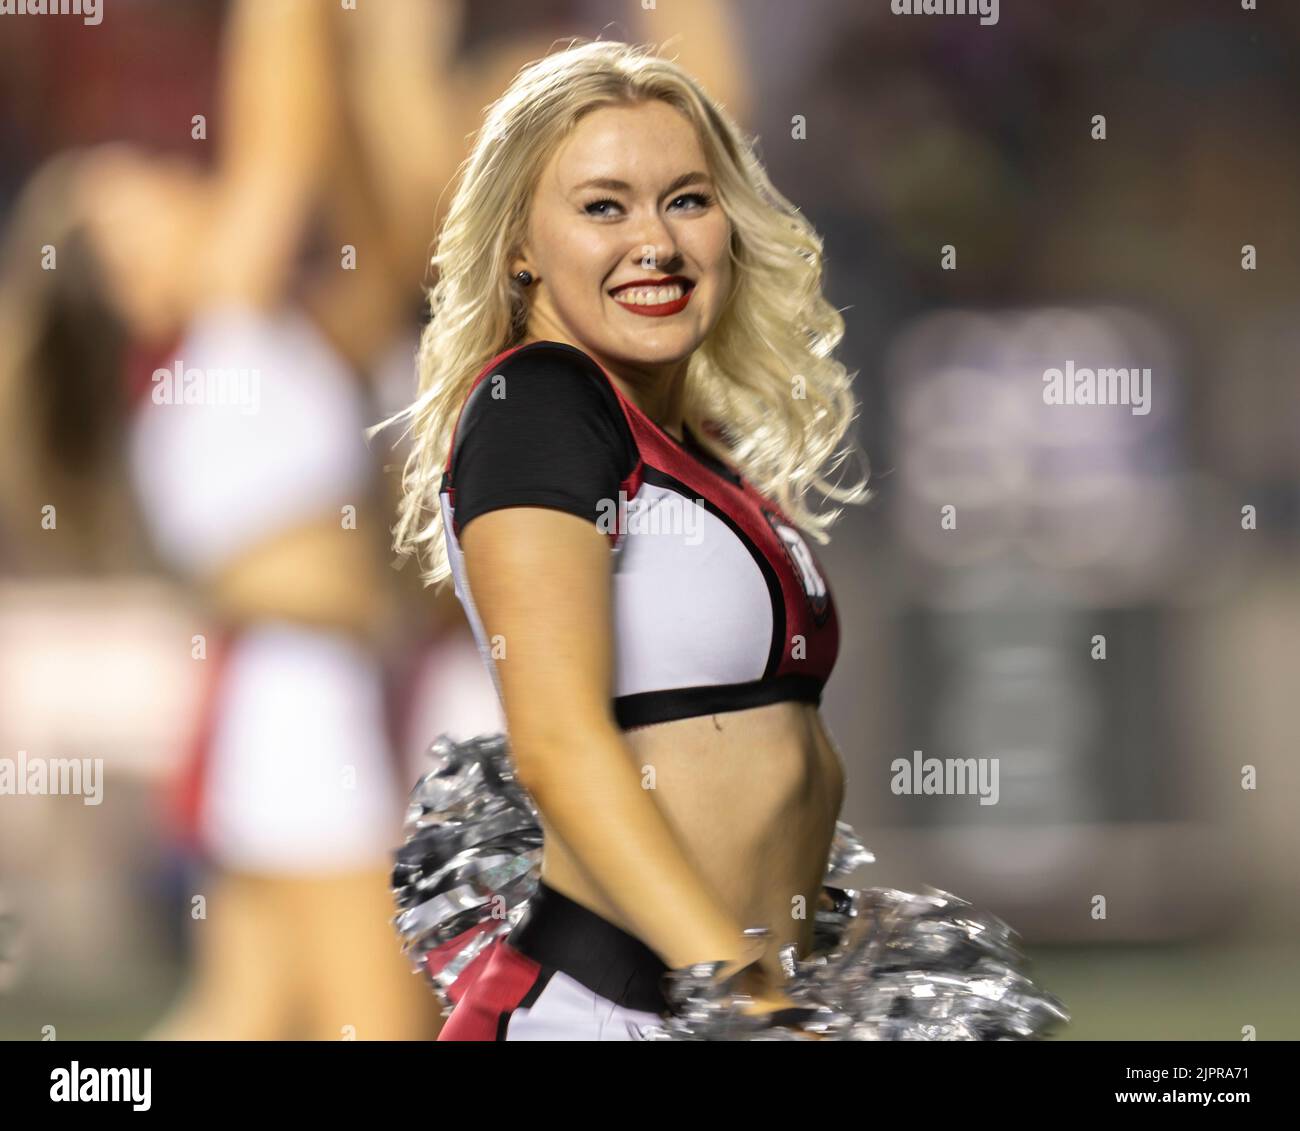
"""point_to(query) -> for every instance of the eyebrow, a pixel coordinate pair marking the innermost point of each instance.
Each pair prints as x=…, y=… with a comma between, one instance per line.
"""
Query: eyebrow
x=623, y=186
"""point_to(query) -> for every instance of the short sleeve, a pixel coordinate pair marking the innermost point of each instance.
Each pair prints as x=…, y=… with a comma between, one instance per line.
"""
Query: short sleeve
x=543, y=429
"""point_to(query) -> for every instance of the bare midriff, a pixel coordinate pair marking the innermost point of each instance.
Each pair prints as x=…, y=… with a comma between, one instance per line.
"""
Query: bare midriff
x=753, y=796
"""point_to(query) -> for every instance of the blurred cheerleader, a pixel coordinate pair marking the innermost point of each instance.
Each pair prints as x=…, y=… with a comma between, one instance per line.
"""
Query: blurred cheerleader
x=291, y=795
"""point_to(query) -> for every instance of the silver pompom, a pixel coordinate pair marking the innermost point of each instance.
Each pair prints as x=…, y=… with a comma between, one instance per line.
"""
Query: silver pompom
x=470, y=861
x=900, y=967
x=885, y=965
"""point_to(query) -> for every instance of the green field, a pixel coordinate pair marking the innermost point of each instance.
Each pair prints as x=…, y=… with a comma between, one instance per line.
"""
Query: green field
x=1152, y=993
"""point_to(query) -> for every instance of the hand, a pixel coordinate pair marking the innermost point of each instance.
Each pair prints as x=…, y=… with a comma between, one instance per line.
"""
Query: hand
x=763, y=985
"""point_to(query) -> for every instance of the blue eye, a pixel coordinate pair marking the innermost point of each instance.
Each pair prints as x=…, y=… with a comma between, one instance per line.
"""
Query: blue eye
x=702, y=199
x=597, y=204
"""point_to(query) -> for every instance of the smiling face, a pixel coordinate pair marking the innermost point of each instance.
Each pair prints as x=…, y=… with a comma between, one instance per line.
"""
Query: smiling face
x=627, y=198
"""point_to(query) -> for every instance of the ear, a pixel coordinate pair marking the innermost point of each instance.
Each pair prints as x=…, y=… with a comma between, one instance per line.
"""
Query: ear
x=519, y=255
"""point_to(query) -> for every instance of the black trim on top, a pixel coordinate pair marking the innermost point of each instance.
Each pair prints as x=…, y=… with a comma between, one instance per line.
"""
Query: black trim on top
x=561, y=934
x=611, y=395
x=688, y=444
x=646, y=708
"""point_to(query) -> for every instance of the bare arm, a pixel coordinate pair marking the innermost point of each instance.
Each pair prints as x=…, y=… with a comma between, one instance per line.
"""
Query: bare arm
x=278, y=114
x=175, y=239
x=541, y=582
x=704, y=36
x=405, y=87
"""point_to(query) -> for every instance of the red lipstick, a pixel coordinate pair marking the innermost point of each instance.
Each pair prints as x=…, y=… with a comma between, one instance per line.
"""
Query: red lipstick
x=657, y=310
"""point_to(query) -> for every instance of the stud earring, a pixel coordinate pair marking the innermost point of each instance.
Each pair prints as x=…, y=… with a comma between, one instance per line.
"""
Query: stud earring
x=525, y=278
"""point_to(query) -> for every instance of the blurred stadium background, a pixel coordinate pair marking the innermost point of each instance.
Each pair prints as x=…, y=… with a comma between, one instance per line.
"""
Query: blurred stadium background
x=1120, y=777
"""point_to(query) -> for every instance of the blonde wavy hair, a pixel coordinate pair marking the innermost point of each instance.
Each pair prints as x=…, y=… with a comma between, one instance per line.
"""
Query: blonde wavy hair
x=762, y=392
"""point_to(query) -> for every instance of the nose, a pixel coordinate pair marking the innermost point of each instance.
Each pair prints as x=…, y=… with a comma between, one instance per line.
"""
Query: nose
x=656, y=247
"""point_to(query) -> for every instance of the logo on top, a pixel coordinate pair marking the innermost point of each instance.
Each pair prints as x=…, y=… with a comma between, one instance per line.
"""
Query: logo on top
x=814, y=586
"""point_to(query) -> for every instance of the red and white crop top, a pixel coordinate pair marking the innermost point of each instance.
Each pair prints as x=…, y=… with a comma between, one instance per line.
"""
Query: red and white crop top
x=718, y=602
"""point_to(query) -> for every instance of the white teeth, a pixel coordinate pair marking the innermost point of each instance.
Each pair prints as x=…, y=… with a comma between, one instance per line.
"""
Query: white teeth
x=650, y=296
